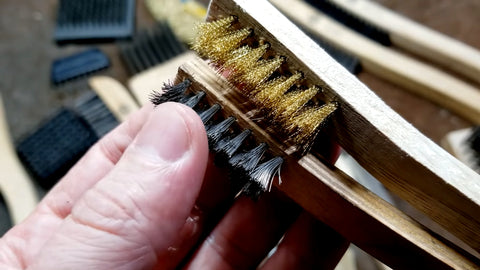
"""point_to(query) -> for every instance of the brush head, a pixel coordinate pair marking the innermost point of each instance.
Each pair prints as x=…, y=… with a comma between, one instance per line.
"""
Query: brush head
x=292, y=106
x=150, y=47
x=88, y=20
x=289, y=106
x=78, y=65
x=55, y=146
x=227, y=139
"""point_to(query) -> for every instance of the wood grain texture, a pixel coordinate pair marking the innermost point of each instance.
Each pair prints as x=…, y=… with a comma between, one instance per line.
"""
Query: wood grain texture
x=15, y=184
x=418, y=39
x=334, y=198
x=386, y=145
x=415, y=76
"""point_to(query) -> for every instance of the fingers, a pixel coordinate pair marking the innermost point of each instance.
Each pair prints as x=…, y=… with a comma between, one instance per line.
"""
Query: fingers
x=246, y=234
x=57, y=204
x=212, y=203
x=96, y=163
x=138, y=208
x=308, y=244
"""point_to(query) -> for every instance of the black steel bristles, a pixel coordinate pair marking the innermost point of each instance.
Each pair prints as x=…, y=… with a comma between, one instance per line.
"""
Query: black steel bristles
x=232, y=145
x=248, y=62
x=170, y=92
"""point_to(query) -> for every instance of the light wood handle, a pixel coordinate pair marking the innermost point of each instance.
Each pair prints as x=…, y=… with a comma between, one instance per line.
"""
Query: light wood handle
x=415, y=76
x=418, y=39
x=15, y=184
x=392, y=150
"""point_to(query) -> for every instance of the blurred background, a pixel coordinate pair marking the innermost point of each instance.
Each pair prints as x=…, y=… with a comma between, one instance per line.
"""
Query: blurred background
x=37, y=37
x=28, y=49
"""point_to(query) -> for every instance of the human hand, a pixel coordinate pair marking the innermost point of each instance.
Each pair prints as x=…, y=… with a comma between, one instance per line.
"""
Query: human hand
x=147, y=197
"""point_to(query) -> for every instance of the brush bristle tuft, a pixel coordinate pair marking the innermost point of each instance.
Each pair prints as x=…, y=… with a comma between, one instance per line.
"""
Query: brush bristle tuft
x=209, y=113
x=170, y=92
x=216, y=132
x=269, y=94
x=290, y=104
x=306, y=123
x=194, y=100
x=225, y=149
x=263, y=175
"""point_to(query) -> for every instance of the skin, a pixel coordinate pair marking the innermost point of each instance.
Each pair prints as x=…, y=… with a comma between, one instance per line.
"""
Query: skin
x=147, y=196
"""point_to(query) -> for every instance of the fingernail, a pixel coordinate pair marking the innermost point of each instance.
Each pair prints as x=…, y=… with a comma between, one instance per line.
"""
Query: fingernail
x=165, y=133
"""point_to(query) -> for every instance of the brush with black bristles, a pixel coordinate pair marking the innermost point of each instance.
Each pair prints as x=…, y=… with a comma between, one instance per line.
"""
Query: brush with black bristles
x=251, y=178
x=71, y=72
x=151, y=47
x=49, y=151
x=281, y=86
x=390, y=28
x=94, y=20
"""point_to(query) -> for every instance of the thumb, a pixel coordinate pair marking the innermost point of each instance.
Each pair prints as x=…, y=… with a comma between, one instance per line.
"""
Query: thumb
x=137, y=210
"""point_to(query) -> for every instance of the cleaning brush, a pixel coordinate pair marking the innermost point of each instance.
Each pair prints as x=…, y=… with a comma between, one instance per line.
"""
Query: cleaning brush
x=57, y=144
x=417, y=77
x=78, y=65
x=390, y=27
x=86, y=20
x=151, y=47
x=379, y=228
x=267, y=63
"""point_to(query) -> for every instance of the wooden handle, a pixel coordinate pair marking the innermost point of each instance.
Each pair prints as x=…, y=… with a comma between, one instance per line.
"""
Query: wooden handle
x=15, y=184
x=333, y=197
x=415, y=76
x=393, y=151
x=418, y=39
x=115, y=96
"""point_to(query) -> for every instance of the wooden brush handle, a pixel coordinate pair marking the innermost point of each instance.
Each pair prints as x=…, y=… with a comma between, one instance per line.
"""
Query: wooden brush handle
x=115, y=96
x=15, y=184
x=393, y=151
x=418, y=39
x=415, y=76
x=333, y=197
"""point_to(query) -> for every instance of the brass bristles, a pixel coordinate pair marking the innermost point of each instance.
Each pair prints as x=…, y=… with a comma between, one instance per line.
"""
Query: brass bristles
x=242, y=60
x=213, y=30
x=251, y=67
x=305, y=124
x=224, y=45
x=259, y=73
x=291, y=103
x=270, y=93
